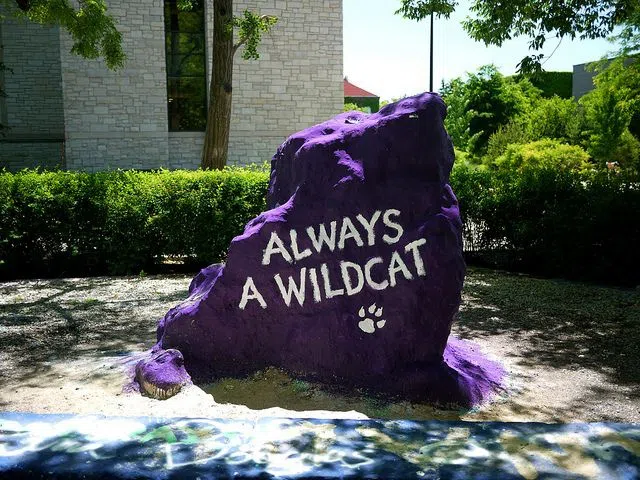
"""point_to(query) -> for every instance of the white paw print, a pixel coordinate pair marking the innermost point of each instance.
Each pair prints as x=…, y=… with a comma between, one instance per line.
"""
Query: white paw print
x=368, y=325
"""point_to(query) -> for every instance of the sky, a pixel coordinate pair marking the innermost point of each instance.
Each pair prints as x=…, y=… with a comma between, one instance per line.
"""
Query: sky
x=389, y=55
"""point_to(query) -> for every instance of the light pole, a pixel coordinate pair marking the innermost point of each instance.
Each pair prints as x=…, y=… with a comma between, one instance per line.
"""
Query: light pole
x=431, y=57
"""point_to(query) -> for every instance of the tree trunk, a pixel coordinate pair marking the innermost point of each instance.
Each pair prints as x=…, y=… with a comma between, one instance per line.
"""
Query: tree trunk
x=216, y=140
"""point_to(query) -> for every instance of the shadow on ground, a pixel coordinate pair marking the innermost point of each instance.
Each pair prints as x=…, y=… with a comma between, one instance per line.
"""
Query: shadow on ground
x=585, y=338
x=43, y=322
x=561, y=324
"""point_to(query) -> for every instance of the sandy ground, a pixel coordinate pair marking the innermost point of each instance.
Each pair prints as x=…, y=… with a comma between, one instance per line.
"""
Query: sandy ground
x=66, y=346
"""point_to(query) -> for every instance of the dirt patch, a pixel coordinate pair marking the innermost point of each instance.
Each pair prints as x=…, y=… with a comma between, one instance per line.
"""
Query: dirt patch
x=571, y=350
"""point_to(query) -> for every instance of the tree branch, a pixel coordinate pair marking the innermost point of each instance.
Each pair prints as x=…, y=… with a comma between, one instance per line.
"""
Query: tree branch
x=238, y=45
x=244, y=40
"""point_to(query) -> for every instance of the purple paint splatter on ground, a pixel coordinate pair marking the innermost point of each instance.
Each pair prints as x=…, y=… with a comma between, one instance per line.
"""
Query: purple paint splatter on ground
x=354, y=274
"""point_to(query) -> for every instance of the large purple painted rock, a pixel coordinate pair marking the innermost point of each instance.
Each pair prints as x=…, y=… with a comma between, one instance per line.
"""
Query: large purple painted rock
x=354, y=274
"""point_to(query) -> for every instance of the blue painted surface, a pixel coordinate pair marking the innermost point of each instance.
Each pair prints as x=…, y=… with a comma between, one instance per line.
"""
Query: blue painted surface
x=67, y=446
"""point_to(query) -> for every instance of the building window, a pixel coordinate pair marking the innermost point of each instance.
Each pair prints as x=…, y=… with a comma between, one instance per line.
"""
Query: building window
x=186, y=73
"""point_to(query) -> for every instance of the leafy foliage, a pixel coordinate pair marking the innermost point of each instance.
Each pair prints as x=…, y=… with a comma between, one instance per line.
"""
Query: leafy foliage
x=488, y=113
x=550, y=221
x=250, y=29
x=93, y=31
x=556, y=118
x=626, y=155
x=495, y=21
x=122, y=222
x=481, y=104
x=607, y=118
x=622, y=75
x=513, y=133
x=419, y=9
x=551, y=84
x=548, y=154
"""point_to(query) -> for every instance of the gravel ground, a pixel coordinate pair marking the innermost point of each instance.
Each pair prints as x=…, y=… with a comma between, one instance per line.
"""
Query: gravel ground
x=68, y=345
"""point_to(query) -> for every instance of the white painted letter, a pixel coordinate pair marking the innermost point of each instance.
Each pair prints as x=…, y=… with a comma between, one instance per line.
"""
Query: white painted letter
x=294, y=247
x=255, y=294
x=328, y=293
x=369, y=226
x=347, y=224
x=417, y=259
x=350, y=289
x=279, y=248
x=396, y=226
x=292, y=287
x=323, y=237
x=367, y=274
x=313, y=276
x=397, y=265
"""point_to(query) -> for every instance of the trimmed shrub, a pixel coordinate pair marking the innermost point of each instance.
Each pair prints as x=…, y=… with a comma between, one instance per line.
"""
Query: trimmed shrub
x=546, y=153
x=122, y=222
x=512, y=133
x=552, y=221
x=541, y=219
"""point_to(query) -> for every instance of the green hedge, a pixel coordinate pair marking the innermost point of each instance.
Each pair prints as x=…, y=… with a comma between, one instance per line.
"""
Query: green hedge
x=542, y=220
x=124, y=222
x=552, y=83
x=551, y=221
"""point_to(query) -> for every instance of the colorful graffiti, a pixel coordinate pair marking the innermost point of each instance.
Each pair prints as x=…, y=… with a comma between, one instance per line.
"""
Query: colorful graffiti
x=58, y=445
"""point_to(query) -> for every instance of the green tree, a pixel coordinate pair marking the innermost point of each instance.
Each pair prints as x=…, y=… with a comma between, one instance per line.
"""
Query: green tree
x=250, y=28
x=612, y=108
x=606, y=119
x=516, y=132
x=495, y=21
x=455, y=93
x=481, y=104
x=623, y=76
x=93, y=30
x=556, y=118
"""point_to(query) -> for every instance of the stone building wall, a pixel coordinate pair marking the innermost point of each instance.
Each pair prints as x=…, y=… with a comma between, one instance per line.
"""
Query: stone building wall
x=296, y=83
x=32, y=108
x=582, y=80
x=120, y=119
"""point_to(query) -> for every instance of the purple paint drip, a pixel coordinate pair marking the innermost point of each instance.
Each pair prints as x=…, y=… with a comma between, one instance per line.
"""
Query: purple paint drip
x=379, y=186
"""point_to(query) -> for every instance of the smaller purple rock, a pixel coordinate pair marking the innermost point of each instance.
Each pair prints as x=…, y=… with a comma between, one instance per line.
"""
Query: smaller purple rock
x=162, y=375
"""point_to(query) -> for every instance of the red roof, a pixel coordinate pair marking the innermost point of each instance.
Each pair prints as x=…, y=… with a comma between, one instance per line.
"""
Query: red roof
x=350, y=90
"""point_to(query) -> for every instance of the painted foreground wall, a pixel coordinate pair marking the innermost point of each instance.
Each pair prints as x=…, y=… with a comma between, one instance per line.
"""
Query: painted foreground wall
x=119, y=119
x=312, y=448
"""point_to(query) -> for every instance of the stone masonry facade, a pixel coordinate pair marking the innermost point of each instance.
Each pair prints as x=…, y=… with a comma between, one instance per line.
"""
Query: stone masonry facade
x=32, y=107
x=119, y=119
